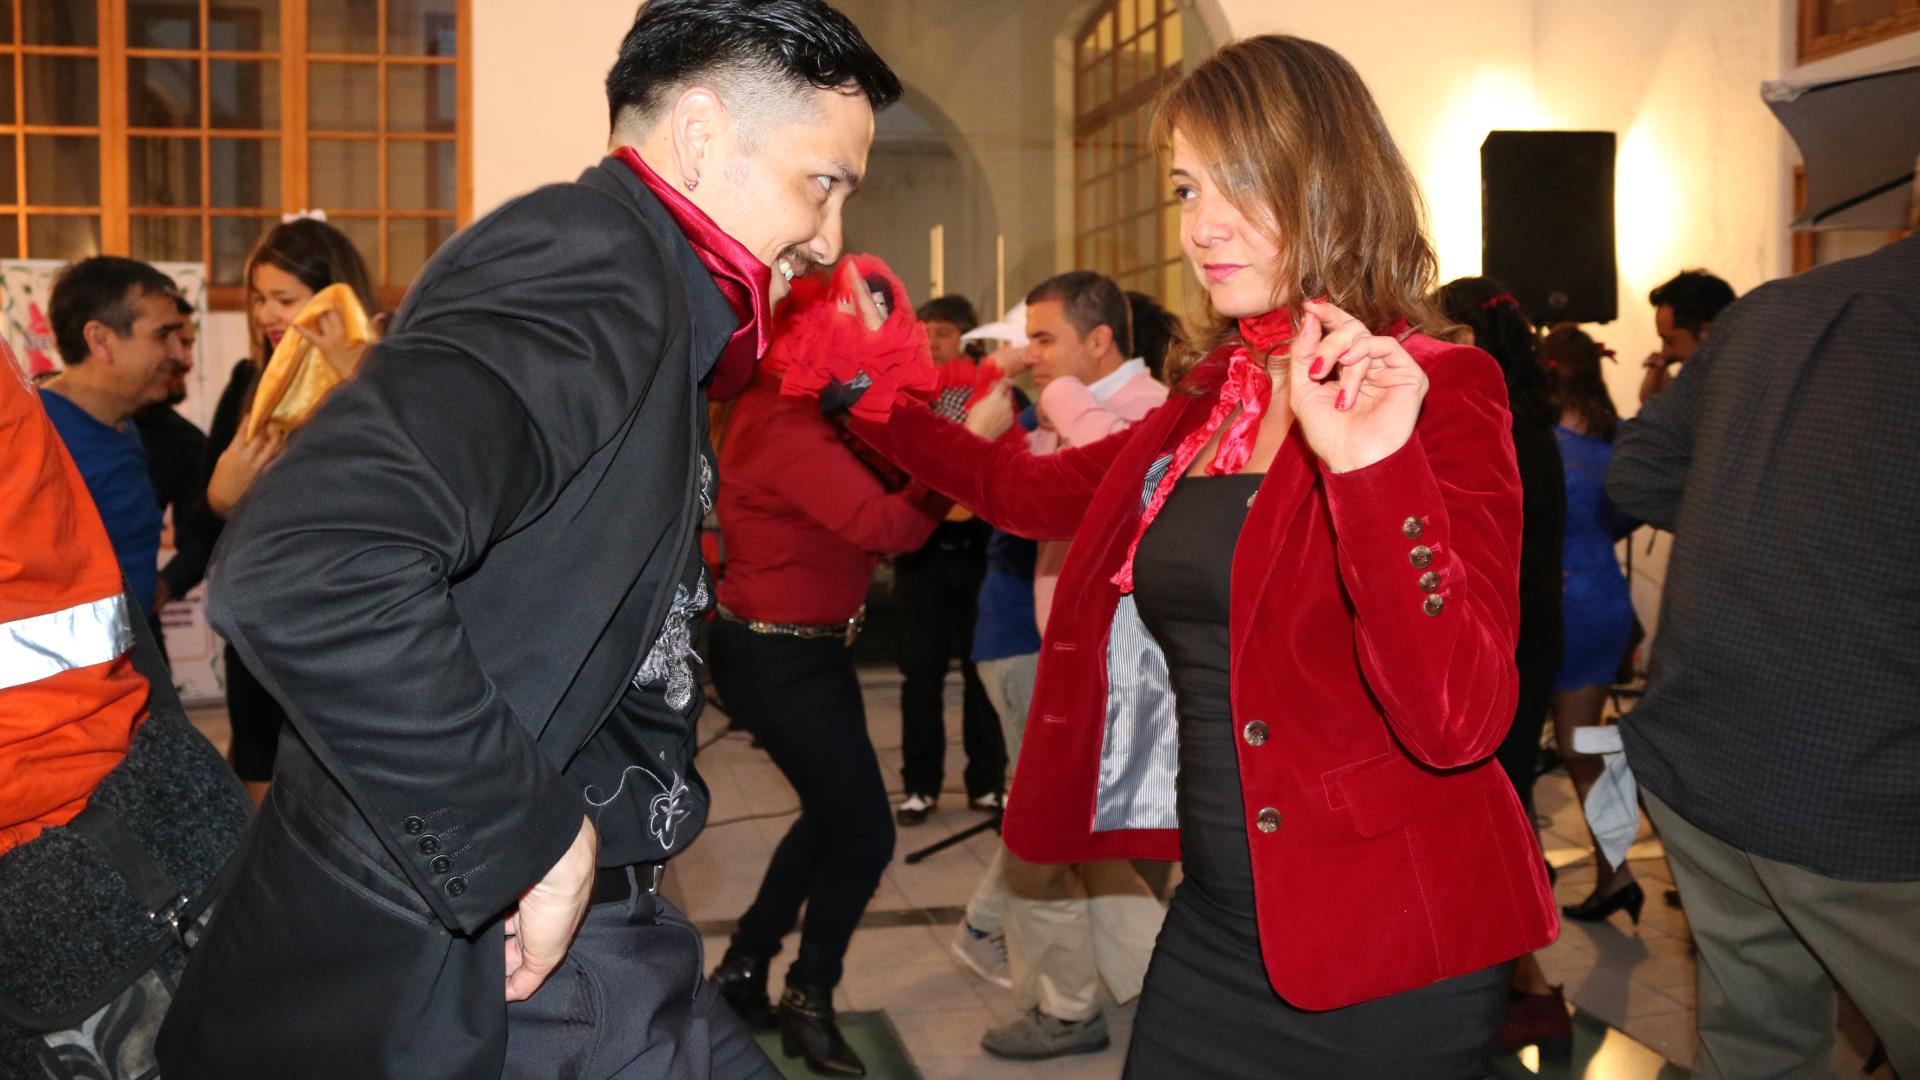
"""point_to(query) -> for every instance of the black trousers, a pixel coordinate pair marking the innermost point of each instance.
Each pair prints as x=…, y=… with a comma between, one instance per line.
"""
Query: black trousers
x=936, y=590
x=801, y=699
x=1519, y=753
x=257, y=721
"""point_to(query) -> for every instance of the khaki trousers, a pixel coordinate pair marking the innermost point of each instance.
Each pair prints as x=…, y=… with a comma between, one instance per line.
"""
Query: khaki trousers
x=1773, y=940
x=1068, y=927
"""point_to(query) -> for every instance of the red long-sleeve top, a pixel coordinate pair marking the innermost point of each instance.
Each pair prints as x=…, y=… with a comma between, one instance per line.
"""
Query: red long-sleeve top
x=802, y=518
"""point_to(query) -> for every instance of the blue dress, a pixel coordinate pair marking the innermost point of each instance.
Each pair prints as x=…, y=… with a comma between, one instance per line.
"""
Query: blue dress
x=1596, y=609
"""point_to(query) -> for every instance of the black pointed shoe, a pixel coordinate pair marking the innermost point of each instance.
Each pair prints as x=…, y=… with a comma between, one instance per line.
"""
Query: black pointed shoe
x=807, y=1029
x=1594, y=908
x=742, y=980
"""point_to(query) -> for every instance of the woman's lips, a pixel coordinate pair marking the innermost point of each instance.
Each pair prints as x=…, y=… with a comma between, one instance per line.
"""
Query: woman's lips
x=1222, y=271
x=274, y=336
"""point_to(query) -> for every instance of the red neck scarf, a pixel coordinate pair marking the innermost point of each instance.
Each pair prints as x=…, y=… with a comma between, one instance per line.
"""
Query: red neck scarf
x=1248, y=388
x=744, y=280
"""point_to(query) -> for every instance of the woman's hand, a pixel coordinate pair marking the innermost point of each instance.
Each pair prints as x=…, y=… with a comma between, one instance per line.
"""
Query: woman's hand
x=243, y=461
x=329, y=335
x=992, y=415
x=1356, y=394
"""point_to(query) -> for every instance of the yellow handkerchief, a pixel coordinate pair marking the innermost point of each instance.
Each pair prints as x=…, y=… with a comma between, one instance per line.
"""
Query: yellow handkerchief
x=298, y=378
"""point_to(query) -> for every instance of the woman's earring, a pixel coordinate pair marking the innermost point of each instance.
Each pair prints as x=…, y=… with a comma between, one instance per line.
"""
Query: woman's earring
x=692, y=182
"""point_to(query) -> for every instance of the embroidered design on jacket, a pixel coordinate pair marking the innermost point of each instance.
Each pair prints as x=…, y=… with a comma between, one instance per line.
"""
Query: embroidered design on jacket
x=665, y=811
x=666, y=663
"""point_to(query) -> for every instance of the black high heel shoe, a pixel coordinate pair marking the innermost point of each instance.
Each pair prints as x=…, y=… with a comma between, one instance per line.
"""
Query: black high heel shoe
x=1596, y=907
x=742, y=980
x=807, y=1029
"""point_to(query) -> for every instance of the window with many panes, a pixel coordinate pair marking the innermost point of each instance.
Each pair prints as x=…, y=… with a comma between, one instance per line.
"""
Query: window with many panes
x=1829, y=27
x=1126, y=222
x=183, y=129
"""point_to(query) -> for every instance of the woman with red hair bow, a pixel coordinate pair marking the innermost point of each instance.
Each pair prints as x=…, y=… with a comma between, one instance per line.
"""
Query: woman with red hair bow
x=1294, y=588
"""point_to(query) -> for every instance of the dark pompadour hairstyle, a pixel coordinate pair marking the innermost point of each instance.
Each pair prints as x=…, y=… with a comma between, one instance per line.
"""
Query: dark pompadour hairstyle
x=100, y=289
x=799, y=42
x=1155, y=331
x=1089, y=300
x=952, y=308
x=1695, y=296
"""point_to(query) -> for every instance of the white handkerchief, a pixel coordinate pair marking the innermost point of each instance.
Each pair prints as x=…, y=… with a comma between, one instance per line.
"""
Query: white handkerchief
x=1613, y=804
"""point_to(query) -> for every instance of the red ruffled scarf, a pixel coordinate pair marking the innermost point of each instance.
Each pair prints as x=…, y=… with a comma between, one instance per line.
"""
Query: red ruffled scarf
x=1248, y=388
x=742, y=278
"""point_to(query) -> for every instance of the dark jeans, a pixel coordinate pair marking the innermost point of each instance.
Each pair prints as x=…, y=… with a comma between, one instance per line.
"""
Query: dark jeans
x=800, y=698
x=935, y=592
x=1519, y=753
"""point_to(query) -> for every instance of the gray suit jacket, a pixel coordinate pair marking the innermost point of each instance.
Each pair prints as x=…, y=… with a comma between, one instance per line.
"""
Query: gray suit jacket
x=1783, y=710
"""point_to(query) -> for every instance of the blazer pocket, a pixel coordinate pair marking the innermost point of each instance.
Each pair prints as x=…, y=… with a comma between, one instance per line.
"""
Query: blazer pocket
x=353, y=868
x=1393, y=791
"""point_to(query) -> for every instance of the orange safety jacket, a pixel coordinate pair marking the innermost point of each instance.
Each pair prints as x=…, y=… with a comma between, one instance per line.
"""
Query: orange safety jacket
x=70, y=699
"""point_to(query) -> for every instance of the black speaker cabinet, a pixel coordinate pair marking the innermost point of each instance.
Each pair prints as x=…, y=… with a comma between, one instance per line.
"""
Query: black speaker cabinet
x=1546, y=212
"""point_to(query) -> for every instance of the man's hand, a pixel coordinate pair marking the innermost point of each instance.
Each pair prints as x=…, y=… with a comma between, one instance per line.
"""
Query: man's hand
x=992, y=415
x=1659, y=374
x=541, y=929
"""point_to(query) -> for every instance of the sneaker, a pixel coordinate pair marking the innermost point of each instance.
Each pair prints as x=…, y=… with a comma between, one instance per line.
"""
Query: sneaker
x=915, y=808
x=983, y=954
x=989, y=803
x=1037, y=1037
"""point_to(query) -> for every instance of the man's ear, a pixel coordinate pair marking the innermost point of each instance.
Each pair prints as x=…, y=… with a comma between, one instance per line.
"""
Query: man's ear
x=695, y=122
x=1100, y=340
x=99, y=338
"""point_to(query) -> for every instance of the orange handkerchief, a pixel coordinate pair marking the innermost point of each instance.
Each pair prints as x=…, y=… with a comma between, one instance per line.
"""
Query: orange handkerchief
x=298, y=378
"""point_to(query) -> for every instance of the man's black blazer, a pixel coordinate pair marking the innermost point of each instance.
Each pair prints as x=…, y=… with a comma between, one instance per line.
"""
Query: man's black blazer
x=459, y=562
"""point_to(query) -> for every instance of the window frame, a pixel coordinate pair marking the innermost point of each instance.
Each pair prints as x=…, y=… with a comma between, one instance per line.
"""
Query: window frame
x=114, y=132
x=1814, y=45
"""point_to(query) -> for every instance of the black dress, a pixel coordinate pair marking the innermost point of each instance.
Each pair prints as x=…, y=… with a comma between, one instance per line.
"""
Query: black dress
x=1207, y=1009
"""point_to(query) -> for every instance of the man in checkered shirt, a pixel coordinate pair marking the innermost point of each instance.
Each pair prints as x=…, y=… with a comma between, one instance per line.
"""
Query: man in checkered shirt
x=1778, y=745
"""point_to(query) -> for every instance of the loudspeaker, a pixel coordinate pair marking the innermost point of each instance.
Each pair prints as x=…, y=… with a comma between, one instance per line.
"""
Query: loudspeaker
x=1546, y=212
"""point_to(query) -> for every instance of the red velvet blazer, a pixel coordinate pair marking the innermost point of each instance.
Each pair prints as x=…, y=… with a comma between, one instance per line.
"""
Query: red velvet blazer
x=1389, y=851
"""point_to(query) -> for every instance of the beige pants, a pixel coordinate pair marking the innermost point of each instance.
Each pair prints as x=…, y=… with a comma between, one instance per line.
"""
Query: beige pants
x=1774, y=939
x=1068, y=927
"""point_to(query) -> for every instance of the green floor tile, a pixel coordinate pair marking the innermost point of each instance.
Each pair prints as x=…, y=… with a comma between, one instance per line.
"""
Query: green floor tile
x=871, y=1035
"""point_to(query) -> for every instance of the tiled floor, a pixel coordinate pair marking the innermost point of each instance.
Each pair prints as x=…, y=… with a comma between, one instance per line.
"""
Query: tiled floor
x=1632, y=979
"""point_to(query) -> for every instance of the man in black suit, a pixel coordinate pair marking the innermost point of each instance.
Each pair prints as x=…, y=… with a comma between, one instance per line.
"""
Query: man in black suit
x=1779, y=742
x=471, y=580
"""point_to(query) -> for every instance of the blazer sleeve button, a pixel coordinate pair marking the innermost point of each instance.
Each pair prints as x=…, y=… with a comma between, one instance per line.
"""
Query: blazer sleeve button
x=414, y=826
x=429, y=844
x=1412, y=528
x=1421, y=557
x=1430, y=581
x=456, y=886
x=1255, y=733
x=1434, y=604
x=441, y=864
x=1267, y=820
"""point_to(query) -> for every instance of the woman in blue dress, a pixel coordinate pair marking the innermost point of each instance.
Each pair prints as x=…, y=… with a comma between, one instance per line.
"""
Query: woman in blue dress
x=1596, y=609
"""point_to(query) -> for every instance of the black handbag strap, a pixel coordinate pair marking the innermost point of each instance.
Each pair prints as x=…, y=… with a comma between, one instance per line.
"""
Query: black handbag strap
x=151, y=884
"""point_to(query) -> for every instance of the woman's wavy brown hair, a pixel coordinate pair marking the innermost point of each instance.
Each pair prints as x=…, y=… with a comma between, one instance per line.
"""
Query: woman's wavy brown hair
x=1295, y=140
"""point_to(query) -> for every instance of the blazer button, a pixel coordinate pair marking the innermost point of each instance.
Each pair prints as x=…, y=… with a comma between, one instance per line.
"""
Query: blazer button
x=1421, y=557
x=1434, y=604
x=1268, y=820
x=455, y=886
x=429, y=844
x=1255, y=733
x=414, y=826
x=1412, y=528
x=441, y=863
x=1430, y=581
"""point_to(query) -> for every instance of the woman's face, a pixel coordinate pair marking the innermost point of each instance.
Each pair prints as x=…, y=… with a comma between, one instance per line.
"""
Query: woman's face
x=1237, y=263
x=275, y=297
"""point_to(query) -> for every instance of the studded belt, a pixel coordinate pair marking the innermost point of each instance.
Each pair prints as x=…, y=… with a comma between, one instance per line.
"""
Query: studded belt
x=847, y=631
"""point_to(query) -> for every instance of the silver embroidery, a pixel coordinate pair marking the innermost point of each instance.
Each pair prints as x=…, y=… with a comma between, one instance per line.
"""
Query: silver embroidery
x=664, y=811
x=666, y=662
x=706, y=485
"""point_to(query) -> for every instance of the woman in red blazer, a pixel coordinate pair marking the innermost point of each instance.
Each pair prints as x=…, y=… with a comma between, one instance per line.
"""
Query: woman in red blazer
x=1294, y=589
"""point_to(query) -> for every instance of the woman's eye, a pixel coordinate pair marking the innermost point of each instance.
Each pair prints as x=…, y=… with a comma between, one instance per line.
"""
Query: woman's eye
x=1183, y=192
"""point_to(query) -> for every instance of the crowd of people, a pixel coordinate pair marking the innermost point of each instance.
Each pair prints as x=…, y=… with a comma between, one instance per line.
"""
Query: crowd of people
x=1287, y=594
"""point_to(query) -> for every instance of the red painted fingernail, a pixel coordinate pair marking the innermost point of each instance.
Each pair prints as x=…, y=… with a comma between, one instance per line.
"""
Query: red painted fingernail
x=1319, y=365
x=1340, y=402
